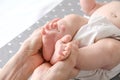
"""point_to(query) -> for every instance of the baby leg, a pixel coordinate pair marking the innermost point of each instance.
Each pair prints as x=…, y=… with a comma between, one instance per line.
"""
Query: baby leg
x=50, y=34
x=62, y=49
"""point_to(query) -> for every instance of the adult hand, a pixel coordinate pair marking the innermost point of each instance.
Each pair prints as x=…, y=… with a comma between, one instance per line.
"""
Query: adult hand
x=23, y=63
x=62, y=70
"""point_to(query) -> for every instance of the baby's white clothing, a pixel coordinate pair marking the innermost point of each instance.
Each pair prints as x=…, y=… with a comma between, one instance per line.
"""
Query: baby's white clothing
x=97, y=28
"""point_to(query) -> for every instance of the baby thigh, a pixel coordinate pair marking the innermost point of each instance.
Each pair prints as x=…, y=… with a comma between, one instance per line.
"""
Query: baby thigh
x=104, y=53
x=74, y=22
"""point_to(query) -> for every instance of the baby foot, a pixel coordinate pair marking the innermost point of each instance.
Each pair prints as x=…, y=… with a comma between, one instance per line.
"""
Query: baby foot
x=62, y=49
x=50, y=34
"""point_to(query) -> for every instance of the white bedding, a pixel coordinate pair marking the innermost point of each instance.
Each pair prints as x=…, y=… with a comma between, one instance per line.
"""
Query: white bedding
x=18, y=15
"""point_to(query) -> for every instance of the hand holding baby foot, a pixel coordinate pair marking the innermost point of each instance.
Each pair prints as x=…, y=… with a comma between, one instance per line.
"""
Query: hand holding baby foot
x=62, y=49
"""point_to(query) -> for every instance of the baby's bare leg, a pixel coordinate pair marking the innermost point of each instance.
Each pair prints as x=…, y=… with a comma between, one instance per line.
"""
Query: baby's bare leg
x=104, y=53
x=62, y=49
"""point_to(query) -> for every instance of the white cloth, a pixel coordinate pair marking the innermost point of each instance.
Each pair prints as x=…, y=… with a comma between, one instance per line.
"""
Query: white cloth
x=97, y=28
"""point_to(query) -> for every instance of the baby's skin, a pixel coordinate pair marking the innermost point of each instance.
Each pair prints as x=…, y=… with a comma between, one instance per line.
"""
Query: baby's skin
x=58, y=28
x=51, y=34
x=62, y=49
x=59, y=32
x=109, y=10
x=54, y=35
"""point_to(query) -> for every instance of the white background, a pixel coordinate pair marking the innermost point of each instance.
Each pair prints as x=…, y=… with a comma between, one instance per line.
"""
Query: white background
x=18, y=15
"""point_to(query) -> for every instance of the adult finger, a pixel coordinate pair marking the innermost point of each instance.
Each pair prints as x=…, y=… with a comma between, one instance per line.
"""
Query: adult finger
x=40, y=72
x=33, y=44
